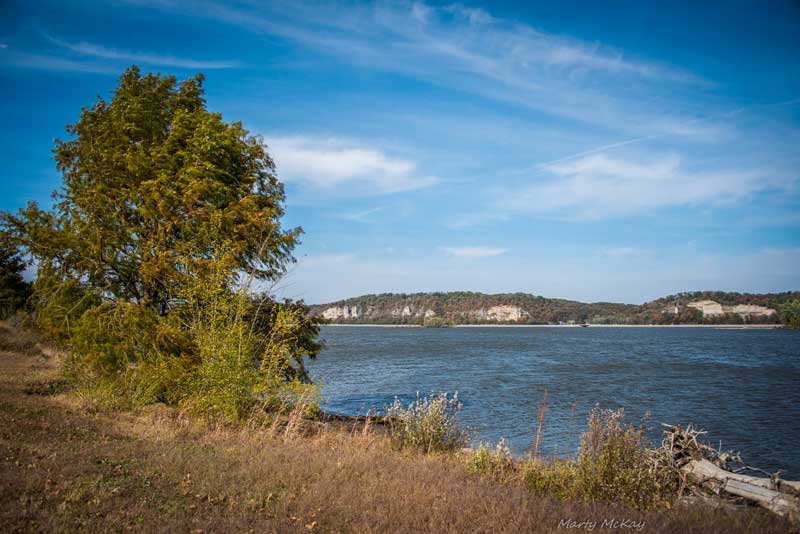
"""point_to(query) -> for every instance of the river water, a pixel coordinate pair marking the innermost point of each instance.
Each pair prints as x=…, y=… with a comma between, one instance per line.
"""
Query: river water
x=742, y=386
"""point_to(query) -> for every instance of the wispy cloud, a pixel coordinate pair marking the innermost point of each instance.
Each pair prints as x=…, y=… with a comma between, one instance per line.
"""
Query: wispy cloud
x=93, y=58
x=599, y=186
x=474, y=252
x=146, y=58
x=471, y=50
x=331, y=163
x=54, y=63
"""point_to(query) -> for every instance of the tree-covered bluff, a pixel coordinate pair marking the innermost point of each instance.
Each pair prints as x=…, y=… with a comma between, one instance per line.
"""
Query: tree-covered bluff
x=463, y=307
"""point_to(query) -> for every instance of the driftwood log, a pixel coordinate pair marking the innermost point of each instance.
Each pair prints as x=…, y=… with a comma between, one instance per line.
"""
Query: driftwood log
x=710, y=471
x=754, y=489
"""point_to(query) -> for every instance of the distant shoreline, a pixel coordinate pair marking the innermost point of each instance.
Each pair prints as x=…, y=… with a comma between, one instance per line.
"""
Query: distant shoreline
x=718, y=326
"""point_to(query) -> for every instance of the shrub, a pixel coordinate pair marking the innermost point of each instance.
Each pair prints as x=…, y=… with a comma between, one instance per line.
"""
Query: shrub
x=613, y=466
x=110, y=337
x=496, y=463
x=429, y=424
x=556, y=479
x=613, y=463
x=247, y=357
x=219, y=352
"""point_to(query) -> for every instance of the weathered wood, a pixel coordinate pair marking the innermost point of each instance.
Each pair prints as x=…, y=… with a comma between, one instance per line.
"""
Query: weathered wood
x=708, y=469
x=760, y=490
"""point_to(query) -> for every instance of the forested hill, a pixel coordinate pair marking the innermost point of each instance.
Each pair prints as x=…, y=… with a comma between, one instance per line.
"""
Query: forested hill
x=440, y=309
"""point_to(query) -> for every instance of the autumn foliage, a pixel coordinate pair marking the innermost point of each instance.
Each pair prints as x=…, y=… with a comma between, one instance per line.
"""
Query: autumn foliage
x=167, y=220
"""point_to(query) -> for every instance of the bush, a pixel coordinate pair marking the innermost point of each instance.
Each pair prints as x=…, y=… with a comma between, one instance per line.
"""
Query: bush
x=613, y=466
x=110, y=337
x=249, y=353
x=218, y=353
x=613, y=463
x=496, y=463
x=556, y=479
x=429, y=424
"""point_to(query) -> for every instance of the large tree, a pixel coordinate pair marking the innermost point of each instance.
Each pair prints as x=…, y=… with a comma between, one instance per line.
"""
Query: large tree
x=151, y=179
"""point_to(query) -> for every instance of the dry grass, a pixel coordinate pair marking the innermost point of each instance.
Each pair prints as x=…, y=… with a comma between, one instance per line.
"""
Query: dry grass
x=18, y=341
x=64, y=468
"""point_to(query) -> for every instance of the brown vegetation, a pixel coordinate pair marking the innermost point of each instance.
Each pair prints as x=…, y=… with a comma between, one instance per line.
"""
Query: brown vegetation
x=67, y=465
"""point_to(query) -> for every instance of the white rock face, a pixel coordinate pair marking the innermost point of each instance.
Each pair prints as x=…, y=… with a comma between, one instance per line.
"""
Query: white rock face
x=751, y=309
x=341, y=312
x=505, y=313
x=710, y=307
x=411, y=310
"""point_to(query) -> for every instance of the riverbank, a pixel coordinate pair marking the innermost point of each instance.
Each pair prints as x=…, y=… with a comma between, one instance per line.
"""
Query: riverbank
x=70, y=464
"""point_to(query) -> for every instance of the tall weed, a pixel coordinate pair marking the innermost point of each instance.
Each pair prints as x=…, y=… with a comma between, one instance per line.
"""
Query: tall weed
x=613, y=466
x=429, y=424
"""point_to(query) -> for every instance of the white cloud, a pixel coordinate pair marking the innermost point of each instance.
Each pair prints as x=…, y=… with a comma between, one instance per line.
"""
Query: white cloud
x=94, y=50
x=330, y=163
x=599, y=186
x=474, y=252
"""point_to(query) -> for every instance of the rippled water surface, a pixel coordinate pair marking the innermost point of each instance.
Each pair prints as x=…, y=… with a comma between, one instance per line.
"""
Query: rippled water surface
x=742, y=386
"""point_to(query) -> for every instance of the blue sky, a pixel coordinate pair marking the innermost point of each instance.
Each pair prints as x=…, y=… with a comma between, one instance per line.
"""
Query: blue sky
x=618, y=152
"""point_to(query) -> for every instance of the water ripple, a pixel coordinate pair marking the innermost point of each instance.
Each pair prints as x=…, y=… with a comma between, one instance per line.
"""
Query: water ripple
x=743, y=386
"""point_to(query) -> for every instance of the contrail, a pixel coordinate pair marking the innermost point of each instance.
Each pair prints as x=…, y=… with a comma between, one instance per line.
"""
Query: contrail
x=597, y=149
x=653, y=136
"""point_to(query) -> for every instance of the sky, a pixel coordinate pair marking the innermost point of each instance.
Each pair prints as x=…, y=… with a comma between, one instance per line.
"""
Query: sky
x=598, y=151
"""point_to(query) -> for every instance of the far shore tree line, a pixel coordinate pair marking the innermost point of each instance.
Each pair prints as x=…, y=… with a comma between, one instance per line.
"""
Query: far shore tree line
x=463, y=307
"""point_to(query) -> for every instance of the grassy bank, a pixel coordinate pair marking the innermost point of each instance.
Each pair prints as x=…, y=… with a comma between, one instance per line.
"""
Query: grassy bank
x=68, y=464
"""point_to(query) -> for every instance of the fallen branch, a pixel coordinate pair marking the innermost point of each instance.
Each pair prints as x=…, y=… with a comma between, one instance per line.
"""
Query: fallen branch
x=759, y=490
x=708, y=469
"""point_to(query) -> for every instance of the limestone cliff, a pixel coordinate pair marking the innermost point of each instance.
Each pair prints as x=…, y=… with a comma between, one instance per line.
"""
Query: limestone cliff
x=711, y=308
x=462, y=307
